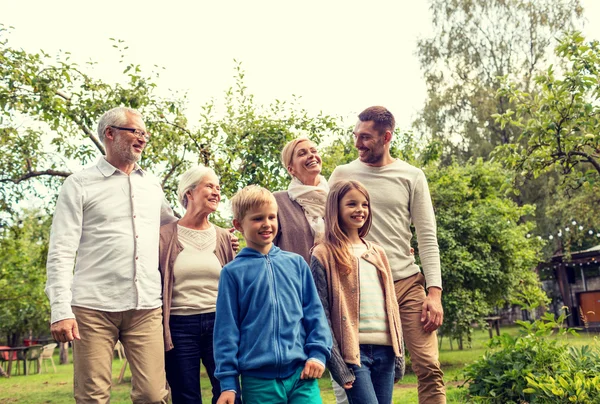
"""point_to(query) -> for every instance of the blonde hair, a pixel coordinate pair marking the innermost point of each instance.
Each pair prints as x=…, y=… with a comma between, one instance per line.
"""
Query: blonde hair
x=287, y=154
x=250, y=197
x=189, y=180
x=336, y=239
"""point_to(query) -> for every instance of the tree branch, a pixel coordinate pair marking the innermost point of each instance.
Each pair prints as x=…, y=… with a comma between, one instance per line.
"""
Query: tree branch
x=32, y=174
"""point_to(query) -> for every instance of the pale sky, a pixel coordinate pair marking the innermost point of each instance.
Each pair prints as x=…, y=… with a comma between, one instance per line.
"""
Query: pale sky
x=339, y=56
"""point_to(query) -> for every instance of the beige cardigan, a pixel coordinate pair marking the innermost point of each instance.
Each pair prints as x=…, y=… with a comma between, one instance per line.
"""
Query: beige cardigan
x=169, y=249
x=340, y=296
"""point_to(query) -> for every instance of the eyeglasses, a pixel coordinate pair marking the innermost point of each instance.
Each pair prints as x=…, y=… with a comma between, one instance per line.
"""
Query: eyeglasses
x=140, y=134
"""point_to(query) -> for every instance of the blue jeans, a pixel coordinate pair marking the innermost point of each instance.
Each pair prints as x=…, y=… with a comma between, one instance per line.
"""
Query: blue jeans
x=375, y=378
x=192, y=338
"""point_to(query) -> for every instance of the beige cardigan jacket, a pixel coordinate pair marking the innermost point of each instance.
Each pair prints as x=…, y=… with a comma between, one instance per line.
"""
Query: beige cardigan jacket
x=169, y=249
x=340, y=296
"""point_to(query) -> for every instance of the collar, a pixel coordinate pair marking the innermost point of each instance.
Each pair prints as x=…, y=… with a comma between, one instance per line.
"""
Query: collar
x=108, y=169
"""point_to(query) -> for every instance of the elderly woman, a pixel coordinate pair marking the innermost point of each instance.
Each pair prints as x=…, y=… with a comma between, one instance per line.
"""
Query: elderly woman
x=302, y=206
x=192, y=253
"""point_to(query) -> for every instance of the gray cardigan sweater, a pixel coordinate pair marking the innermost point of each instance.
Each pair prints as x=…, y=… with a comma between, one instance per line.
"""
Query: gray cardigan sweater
x=295, y=234
x=169, y=249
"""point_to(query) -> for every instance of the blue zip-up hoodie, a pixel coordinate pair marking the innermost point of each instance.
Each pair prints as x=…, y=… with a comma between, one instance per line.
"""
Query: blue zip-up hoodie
x=269, y=317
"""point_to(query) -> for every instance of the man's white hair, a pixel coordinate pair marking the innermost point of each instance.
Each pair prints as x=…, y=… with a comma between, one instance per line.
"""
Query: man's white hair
x=115, y=117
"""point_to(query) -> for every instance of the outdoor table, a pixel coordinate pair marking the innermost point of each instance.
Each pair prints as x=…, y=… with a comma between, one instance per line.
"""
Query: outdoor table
x=493, y=322
x=11, y=354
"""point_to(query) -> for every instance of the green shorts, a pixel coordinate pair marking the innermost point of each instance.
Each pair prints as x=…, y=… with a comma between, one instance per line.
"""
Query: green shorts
x=291, y=390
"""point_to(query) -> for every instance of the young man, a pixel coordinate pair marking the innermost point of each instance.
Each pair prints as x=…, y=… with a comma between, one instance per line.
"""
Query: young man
x=270, y=327
x=107, y=222
x=400, y=196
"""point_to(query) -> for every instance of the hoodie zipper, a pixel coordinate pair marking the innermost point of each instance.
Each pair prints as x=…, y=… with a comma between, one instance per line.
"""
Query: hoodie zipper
x=275, y=315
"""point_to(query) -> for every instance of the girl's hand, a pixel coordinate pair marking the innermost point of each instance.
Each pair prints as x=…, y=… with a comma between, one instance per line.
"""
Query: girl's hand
x=312, y=370
x=347, y=386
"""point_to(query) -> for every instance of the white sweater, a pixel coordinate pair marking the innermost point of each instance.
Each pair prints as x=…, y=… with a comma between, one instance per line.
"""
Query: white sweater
x=399, y=196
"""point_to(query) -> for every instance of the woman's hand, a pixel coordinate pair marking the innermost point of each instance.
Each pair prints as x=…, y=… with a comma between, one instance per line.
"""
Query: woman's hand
x=347, y=386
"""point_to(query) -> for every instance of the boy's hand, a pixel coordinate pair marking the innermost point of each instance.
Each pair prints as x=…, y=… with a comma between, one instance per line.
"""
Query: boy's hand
x=226, y=397
x=312, y=370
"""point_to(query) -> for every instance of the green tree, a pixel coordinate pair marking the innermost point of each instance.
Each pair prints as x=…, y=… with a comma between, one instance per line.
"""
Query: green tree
x=485, y=253
x=24, y=307
x=49, y=108
x=475, y=43
x=559, y=118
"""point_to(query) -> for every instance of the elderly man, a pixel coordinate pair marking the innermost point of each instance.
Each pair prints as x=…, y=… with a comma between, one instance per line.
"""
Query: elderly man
x=107, y=222
x=400, y=197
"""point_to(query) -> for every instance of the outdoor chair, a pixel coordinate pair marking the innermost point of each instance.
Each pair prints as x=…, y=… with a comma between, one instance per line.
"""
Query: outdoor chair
x=120, y=350
x=31, y=355
x=47, y=352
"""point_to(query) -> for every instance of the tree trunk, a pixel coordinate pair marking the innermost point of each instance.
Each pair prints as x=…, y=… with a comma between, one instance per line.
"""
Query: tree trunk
x=64, y=353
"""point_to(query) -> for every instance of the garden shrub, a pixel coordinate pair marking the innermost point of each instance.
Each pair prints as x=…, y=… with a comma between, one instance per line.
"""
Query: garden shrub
x=533, y=368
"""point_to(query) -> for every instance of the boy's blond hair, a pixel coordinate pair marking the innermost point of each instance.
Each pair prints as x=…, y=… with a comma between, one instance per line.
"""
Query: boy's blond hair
x=250, y=197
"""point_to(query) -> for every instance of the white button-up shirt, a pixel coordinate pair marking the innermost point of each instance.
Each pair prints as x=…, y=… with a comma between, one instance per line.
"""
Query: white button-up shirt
x=107, y=222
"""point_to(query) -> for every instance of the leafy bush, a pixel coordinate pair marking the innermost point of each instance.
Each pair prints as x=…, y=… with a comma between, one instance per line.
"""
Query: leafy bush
x=533, y=368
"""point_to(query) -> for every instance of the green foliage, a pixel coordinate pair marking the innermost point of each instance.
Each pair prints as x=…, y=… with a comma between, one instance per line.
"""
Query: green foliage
x=485, y=254
x=475, y=42
x=64, y=101
x=244, y=146
x=559, y=118
x=536, y=366
x=23, y=250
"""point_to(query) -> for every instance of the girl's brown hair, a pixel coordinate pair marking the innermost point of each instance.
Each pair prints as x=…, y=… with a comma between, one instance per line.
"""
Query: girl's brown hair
x=336, y=240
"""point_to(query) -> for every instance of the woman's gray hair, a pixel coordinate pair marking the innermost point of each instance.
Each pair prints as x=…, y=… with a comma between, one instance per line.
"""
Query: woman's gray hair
x=189, y=180
x=115, y=117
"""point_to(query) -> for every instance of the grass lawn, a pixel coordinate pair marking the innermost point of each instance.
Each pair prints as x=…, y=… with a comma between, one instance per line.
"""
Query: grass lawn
x=58, y=387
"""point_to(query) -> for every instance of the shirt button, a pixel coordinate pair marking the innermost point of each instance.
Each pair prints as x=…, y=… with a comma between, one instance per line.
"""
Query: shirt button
x=136, y=236
x=135, y=280
x=136, y=258
x=134, y=216
x=343, y=318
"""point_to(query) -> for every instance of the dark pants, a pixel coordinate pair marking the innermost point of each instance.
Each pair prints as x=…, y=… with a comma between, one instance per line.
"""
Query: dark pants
x=192, y=338
x=375, y=377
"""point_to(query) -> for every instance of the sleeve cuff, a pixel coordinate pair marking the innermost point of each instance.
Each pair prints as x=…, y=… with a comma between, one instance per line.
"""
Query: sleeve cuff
x=61, y=313
x=228, y=384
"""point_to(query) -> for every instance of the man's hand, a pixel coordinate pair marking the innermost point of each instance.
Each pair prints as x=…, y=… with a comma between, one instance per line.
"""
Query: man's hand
x=312, y=370
x=433, y=312
x=226, y=397
x=235, y=242
x=65, y=330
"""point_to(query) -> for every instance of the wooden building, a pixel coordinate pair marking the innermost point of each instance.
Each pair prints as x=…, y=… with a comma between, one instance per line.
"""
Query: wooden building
x=574, y=282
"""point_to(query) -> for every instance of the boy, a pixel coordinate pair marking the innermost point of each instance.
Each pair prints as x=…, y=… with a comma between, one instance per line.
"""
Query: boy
x=270, y=327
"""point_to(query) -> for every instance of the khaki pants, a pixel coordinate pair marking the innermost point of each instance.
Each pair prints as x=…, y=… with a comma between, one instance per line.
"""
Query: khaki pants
x=421, y=345
x=140, y=332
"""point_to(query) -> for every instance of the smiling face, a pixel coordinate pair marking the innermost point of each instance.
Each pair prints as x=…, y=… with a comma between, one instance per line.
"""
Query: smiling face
x=370, y=143
x=353, y=212
x=206, y=195
x=126, y=147
x=259, y=226
x=306, y=163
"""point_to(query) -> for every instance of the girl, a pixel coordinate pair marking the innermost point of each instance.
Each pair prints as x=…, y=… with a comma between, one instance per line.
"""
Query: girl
x=354, y=282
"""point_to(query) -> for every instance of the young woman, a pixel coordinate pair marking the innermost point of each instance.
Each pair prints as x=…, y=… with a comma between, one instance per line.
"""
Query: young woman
x=354, y=282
